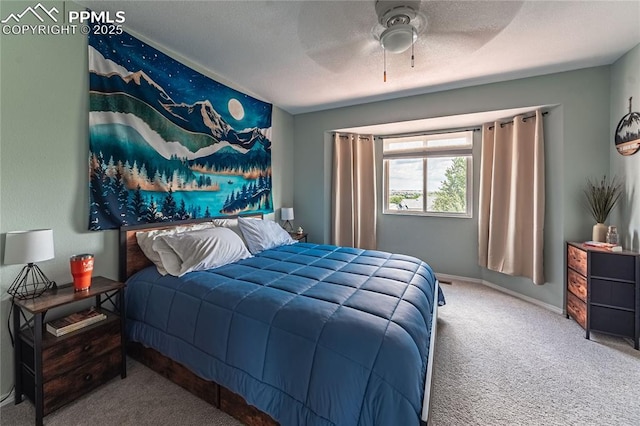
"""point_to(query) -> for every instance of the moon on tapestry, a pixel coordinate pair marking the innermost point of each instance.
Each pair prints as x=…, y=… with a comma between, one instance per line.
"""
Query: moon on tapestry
x=235, y=109
x=167, y=143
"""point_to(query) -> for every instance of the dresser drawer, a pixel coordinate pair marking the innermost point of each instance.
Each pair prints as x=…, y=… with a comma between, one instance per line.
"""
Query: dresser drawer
x=577, y=284
x=70, y=351
x=612, y=265
x=76, y=382
x=613, y=293
x=577, y=260
x=577, y=309
x=613, y=321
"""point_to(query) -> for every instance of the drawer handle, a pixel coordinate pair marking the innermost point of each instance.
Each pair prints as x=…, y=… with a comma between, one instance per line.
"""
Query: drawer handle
x=86, y=348
x=87, y=377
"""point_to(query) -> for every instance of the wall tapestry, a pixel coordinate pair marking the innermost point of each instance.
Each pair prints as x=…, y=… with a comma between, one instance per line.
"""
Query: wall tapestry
x=167, y=143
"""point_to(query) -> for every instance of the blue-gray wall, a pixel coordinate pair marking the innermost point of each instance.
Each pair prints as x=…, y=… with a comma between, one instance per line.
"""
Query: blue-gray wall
x=625, y=83
x=576, y=146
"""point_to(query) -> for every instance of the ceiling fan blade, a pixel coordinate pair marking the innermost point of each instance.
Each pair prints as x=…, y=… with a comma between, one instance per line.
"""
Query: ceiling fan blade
x=469, y=16
x=337, y=35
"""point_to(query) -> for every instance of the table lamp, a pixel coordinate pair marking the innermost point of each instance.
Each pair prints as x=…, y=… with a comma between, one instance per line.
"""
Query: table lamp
x=29, y=247
x=286, y=214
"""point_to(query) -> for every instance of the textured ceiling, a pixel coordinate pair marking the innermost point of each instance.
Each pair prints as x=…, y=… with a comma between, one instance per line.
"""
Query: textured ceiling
x=311, y=55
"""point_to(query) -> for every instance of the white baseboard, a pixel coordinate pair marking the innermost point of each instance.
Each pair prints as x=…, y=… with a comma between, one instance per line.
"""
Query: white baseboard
x=8, y=400
x=447, y=277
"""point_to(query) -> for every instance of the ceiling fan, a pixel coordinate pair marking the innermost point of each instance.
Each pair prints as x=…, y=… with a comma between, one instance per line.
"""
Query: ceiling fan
x=342, y=35
x=399, y=24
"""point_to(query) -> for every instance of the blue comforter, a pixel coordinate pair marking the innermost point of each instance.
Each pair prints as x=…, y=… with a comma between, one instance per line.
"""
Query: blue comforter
x=310, y=334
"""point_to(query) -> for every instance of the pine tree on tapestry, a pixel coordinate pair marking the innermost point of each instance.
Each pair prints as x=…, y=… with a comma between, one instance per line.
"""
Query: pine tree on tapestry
x=138, y=205
x=122, y=195
x=182, y=211
x=169, y=205
x=152, y=212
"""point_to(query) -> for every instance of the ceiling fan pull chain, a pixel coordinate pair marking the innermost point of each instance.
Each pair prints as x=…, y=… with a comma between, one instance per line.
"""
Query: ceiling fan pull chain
x=384, y=56
x=412, y=43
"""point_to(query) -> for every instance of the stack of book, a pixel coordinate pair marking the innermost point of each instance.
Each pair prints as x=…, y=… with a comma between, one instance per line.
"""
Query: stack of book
x=75, y=321
x=602, y=246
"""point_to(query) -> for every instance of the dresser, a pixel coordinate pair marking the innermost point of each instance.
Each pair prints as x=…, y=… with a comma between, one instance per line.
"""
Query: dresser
x=603, y=290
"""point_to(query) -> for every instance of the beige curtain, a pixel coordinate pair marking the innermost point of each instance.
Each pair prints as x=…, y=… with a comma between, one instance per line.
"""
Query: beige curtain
x=354, y=191
x=512, y=197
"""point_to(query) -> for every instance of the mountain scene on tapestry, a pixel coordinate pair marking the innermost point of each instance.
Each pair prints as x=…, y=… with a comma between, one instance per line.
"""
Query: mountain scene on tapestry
x=168, y=143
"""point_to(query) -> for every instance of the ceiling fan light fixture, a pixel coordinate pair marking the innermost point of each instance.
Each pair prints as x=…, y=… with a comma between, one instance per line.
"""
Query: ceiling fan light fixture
x=398, y=38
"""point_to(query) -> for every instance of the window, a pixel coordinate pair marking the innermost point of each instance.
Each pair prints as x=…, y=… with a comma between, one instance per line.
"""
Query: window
x=428, y=174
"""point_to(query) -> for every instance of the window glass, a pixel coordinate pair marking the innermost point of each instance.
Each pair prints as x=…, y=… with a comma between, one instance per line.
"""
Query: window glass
x=428, y=174
x=405, y=184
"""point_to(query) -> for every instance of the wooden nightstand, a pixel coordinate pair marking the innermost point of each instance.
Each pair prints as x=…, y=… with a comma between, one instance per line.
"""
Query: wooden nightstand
x=299, y=237
x=53, y=371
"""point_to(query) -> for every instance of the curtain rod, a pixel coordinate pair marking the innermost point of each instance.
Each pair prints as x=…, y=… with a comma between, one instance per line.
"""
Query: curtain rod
x=431, y=132
x=350, y=135
x=523, y=119
x=438, y=132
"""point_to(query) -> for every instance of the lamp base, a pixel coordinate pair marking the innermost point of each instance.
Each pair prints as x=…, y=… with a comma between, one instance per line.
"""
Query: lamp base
x=30, y=283
x=287, y=226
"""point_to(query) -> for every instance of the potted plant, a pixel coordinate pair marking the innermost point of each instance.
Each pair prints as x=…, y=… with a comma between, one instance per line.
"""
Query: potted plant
x=601, y=197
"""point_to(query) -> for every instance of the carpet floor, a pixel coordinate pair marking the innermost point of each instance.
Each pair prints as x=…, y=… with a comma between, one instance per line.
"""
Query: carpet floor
x=499, y=361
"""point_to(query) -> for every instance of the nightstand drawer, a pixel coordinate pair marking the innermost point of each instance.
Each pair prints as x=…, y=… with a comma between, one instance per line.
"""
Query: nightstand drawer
x=77, y=382
x=79, y=347
x=577, y=284
x=577, y=260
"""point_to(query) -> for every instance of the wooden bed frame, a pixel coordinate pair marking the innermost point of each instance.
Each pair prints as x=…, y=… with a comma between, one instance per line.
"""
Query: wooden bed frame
x=132, y=259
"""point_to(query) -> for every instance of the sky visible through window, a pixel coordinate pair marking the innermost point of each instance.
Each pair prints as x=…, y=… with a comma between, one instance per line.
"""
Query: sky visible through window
x=406, y=174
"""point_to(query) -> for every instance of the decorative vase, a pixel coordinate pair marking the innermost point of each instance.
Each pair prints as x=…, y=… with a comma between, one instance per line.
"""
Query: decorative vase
x=599, y=233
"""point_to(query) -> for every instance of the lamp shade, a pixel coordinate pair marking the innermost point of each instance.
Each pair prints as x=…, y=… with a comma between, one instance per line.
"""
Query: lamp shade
x=286, y=213
x=28, y=246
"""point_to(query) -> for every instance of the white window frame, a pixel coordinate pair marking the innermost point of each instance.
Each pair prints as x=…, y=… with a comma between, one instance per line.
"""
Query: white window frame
x=425, y=153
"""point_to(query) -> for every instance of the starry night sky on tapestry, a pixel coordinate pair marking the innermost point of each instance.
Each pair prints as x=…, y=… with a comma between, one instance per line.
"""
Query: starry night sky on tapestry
x=168, y=143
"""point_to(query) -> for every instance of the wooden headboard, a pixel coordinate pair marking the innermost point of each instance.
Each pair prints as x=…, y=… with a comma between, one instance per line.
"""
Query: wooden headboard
x=132, y=258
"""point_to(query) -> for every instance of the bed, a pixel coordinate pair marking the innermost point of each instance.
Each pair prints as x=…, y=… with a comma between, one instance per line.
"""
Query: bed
x=295, y=334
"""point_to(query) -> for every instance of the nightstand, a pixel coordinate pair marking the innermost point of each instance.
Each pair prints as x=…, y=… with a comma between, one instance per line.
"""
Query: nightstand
x=299, y=237
x=53, y=371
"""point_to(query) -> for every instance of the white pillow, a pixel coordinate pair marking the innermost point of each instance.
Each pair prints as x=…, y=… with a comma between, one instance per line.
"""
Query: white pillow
x=263, y=234
x=159, y=253
x=231, y=224
x=146, y=240
x=205, y=249
x=170, y=262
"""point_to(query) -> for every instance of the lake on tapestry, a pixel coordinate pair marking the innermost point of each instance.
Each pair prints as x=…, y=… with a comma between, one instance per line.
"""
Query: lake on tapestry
x=153, y=188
